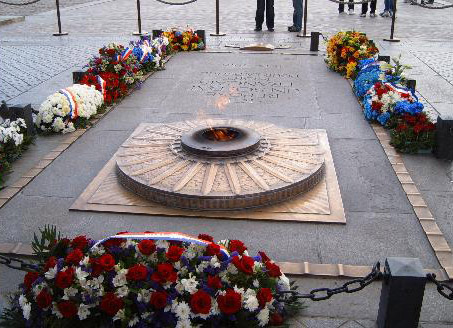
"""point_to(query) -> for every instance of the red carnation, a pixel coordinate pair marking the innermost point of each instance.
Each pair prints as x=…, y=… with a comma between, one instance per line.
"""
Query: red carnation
x=159, y=300
x=245, y=264
x=230, y=303
x=165, y=273
x=111, y=304
x=74, y=257
x=237, y=246
x=50, y=263
x=375, y=105
x=107, y=262
x=200, y=302
x=273, y=269
x=65, y=242
x=276, y=319
x=147, y=247
x=44, y=299
x=110, y=52
x=64, y=278
x=174, y=253
x=79, y=242
x=30, y=278
x=214, y=282
x=401, y=127
x=264, y=257
x=67, y=309
x=137, y=272
x=96, y=267
x=206, y=237
x=264, y=295
x=212, y=249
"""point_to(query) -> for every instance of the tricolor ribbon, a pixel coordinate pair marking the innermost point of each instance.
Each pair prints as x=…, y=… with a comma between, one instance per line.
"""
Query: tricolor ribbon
x=73, y=107
x=103, y=85
x=167, y=236
x=401, y=90
x=125, y=54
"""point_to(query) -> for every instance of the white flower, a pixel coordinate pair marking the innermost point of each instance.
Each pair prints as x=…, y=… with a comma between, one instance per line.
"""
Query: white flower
x=256, y=283
x=120, y=315
x=263, y=317
x=232, y=269
x=81, y=275
x=182, y=310
x=162, y=244
x=183, y=324
x=22, y=300
x=122, y=291
x=55, y=311
x=143, y=295
x=251, y=303
x=190, y=285
x=26, y=309
x=51, y=273
x=69, y=292
x=120, y=278
x=84, y=311
x=283, y=282
x=98, y=250
x=239, y=290
x=133, y=321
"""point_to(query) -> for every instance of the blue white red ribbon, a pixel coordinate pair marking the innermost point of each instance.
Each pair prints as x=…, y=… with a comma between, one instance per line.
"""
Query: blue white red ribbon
x=103, y=85
x=73, y=108
x=167, y=236
x=126, y=53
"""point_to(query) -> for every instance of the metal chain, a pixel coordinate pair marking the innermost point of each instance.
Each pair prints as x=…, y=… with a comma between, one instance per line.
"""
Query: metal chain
x=22, y=265
x=441, y=286
x=350, y=3
x=19, y=4
x=352, y=286
x=431, y=7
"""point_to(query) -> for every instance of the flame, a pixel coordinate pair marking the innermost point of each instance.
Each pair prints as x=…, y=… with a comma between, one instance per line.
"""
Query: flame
x=222, y=134
x=222, y=102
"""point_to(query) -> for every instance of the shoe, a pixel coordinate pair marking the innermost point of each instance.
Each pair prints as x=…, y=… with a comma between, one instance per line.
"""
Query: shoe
x=258, y=29
x=341, y=13
x=363, y=15
x=290, y=27
x=271, y=29
x=351, y=12
x=372, y=15
x=390, y=14
x=385, y=13
x=294, y=29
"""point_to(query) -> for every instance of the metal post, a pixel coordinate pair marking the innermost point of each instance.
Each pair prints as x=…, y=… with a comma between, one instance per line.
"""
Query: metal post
x=410, y=84
x=139, y=21
x=314, y=42
x=217, y=20
x=59, y=33
x=392, y=29
x=304, y=33
x=402, y=293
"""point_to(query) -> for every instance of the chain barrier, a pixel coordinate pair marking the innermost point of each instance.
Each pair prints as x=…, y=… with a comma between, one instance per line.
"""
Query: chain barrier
x=19, y=4
x=176, y=2
x=352, y=286
x=350, y=3
x=21, y=264
x=423, y=5
x=441, y=286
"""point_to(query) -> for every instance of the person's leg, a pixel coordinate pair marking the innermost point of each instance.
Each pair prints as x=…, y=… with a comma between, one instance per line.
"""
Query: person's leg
x=270, y=14
x=364, y=8
x=351, y=7
x=373, y=6
x=341, y=8
x=297, y=17
x=390, y=5
x=259, y=18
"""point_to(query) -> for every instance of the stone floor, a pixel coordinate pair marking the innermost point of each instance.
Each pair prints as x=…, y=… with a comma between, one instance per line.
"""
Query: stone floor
x=381, y=221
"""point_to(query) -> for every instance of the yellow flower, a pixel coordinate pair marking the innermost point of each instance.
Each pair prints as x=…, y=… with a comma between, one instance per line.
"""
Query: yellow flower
x=194, y=46
x=350, y=69
x=185, y=47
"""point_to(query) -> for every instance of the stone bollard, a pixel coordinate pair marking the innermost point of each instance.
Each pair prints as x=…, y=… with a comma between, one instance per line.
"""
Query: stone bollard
x=78, y=75
x=410, y=84
x=157, y=33
x=202, y=34
x=444, y=138
x=19, y=111
x=314, y=41
x=402, y=293
x=384, y=59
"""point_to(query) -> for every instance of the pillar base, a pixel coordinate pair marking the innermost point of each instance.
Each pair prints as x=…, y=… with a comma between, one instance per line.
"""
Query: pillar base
x=60, y=34
x=217, y=34
x=140, y=34
x=300, y=35
x=392, y=40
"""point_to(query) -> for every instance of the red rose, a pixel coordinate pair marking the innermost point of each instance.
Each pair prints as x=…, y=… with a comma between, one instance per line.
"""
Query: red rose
x=110, y=52
x=273, y=269
x=264, y=295
x=376, y=105
x=67, y=309
x=79, y=242
x=200, y=302
x=44, y=299
x=158, y=300
x=418, y=128
x=276, y=319
x=214, y=282
x=401, y=127
x=51, y=263
x=114, y=241
x=111, y=304
x=245, y=264
x=212, y=249
x=65, y=242
x=30, y=278
x=74, y=257
x=230, y=303
x=174, y=253
x=147, y=247
x=264, y=257
x=96, y=267
x=237, y=246
x=206, y=237
x=107, y=262
x=64, y=278
x=137, y=272
x=165, y=273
